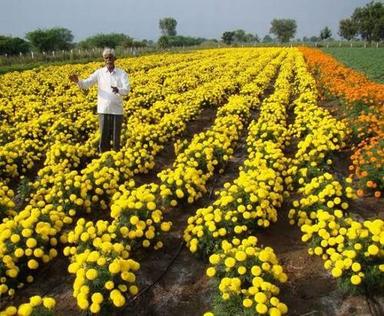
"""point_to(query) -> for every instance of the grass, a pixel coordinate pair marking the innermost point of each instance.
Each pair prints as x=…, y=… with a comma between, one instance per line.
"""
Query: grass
x=370, y=61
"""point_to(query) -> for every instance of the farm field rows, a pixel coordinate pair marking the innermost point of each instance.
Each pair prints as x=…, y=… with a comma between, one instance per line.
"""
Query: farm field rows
x=233, y=185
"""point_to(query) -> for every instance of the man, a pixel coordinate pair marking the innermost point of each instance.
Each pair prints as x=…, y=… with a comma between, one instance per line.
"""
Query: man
x=112, y=84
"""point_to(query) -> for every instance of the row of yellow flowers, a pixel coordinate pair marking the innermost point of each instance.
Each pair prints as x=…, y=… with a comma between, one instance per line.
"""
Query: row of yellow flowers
x=365, y=113
x=352, y=249
x=246, y=275
x=7, y=205
x=36, y=306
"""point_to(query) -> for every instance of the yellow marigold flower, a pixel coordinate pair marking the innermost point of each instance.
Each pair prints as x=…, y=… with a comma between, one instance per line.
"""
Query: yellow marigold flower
x=256, y=270
x=134, y=220
x=25, y=310
x=242, y=270
x=49, y=302
x=260, y=297
x=97, y=298
x=356, y=267
x=211, y=271
x=31, y=242
x=35, y=300
x=261, y=308
x=240, y=255
x=214, y=259
x=109, y=285
x=33, y=264
x=114, y=267
x=91, y=274
x=247, y=303
x=282, y=308
x=229, y=262
x=355, y=279
x=165, y=226
x=273, y=311
x=264, y=255
x=133, y=289
x=94, y=308
x=373, y=250
x=336, y=272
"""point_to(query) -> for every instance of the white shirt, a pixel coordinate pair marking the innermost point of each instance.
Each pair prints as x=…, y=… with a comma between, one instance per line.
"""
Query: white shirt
x=107, y=101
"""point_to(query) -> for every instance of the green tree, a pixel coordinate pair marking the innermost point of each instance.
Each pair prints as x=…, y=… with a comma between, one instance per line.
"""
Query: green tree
x=325, y=33
x=347, y=29
x=13, y=45
x=267, y=39
x=314, y=39
x=370, y=21
x=240, y=36
x=168, y=26
x=284, y=29
x=56, y=38
x=107, y=40
x=228, y=37
x=179, y=41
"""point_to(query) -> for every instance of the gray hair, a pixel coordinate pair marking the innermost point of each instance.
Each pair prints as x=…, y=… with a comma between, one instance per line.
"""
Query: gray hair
x=109, y=51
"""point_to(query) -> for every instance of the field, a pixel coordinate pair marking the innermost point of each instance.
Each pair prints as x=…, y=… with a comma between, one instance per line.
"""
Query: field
x=250, y=182
x=369, y=61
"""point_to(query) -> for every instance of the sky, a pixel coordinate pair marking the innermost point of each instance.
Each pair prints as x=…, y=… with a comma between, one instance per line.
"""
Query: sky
x=199, y=18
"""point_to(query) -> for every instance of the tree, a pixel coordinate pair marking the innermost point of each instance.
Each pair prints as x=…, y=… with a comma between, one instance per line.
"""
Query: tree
x=284, y=29
x=267, y=39
x=178, y=41
x=51, y=39
x=228, y=37
x=347, y=29
x=168, y=26
x=107, y=40
x=314, y=39
x=325, y=33
x=13, y=45
x=370, y=21
x=240, y=36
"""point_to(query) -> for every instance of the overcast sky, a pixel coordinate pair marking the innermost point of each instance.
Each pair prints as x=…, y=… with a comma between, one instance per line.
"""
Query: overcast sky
x=201, y=18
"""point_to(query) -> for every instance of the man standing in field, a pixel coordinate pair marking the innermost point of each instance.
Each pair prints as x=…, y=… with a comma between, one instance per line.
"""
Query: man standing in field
x=112, y=84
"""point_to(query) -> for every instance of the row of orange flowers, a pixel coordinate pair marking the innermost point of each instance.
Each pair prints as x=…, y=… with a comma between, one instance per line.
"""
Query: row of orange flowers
x=364, y=110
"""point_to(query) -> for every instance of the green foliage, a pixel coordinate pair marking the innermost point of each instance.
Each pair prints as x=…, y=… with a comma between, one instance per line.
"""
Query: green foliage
x=239, y=36
x=228, y=37
x=107, y=40
x=57, y=38
x=178, y=41
x=267, y=39
x=369, y=21
x=367, y=60
x=13, y=45
x=325, y=33
x=233, y=306
x=284, y=29
x=347, y=29
x=168, y=26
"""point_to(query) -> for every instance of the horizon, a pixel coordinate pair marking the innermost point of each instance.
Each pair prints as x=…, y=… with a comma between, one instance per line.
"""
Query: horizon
x=206, y=19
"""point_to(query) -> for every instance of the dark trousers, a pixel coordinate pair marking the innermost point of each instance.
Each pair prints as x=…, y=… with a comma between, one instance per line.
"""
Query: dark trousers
x=110, y=130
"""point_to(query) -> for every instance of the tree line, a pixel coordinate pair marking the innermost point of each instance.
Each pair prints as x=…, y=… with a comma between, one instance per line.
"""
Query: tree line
x=366, y=22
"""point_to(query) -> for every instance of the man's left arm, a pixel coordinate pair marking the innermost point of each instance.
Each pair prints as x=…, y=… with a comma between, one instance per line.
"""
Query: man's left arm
x=125, y=88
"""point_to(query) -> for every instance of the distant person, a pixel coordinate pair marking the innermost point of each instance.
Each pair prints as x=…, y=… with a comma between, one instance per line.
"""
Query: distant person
x=113, y=84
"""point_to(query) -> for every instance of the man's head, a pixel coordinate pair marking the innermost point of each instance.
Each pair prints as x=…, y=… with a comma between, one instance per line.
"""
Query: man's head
x=109, y=57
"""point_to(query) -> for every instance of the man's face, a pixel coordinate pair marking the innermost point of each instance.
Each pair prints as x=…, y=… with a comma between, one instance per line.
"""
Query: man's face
x=109, y=60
